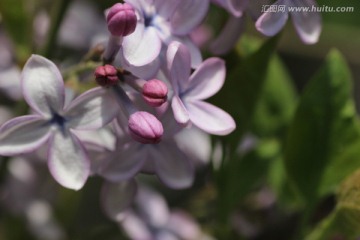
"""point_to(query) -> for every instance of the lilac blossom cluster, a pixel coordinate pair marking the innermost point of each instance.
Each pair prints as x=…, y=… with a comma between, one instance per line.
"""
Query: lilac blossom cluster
x=149, y=113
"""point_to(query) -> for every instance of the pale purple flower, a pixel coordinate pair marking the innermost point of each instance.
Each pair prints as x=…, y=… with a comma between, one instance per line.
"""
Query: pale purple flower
x=159, y=23
x=190, y=91
x=43, y=90
x=151, y=218
x=306, y=23
x=28, y=192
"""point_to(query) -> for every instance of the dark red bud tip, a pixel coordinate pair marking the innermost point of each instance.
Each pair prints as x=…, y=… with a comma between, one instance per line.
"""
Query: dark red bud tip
x=121, y=20
x=145, y=128
x=106, y=75
x=155, y=92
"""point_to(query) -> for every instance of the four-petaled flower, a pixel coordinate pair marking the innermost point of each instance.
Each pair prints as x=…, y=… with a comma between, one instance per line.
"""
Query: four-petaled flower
x=52, y=122
x=307, y=22
x=190, y=91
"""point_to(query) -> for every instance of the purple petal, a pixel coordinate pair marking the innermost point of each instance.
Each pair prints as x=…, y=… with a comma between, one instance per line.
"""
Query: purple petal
x=270, y=23
x=23, y=134
x=92, y=109
x=166, y=8
x=178, y=61
x=235, y=7
x=147, y=71
x=195, y=54
x=183, y=225
x=142, y=46
x=42, y=85
x=228, y=36
x=210, y=118
x=188, y=15
x=116, y=197
x=68, y=161
x=207, y=80
x=153, y=206
x=135, y=227
x=199, y=152
x=123, y=164
x=180, y=112
x=307, y=24
x=172, y=166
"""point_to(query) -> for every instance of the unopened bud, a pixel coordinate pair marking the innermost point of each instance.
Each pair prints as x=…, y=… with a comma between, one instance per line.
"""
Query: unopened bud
x=145, y=128
x=155, y=92
x=106, y=76
x=121, y=19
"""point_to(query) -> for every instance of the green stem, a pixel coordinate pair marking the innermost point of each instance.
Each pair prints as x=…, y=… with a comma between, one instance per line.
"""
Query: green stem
x=80, y=68
x=59, y=12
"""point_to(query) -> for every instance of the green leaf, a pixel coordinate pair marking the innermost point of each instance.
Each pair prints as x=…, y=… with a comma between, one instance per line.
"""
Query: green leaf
x=323, y=127
x=244, y=84
x=277, y=102
x=239, y=97
x=18, y=23
x=344, y=222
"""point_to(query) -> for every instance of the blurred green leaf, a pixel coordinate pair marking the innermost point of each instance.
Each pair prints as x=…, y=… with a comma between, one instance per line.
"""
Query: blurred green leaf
x=18, y=23
x=344, y=222
x=323, y=128
x=277, y=101
x=247, y=76
x=243, y=86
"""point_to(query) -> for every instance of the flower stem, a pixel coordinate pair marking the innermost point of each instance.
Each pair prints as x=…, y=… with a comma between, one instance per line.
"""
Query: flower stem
x=60, y=8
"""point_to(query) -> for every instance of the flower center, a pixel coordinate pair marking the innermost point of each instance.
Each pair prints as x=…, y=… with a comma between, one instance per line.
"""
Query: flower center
x=58, y=120
x=148, y=20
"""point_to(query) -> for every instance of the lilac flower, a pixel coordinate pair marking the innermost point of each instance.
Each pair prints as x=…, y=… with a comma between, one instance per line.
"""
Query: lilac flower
x=190, y=91
x=152, y=219
x=307, y=23
x=43, y=90
x=159, y=23
x=28, y=192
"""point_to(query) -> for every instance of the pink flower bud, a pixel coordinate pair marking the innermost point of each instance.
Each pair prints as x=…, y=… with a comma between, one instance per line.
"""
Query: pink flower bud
x=106, y=76
x=145, y=127
x=155, y=92
x=121, y=20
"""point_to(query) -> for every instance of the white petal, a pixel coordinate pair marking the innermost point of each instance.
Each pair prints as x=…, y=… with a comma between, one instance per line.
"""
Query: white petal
x=188, y=15
x=207, y=80
x=92, y=109
x=166, y=8
x=23, y=134
x=180, y=112
x=146, y=72
x=153, y=206
x=307, y=24
x=124, y=163
x=183, y=225
x=42, y=85
x=135, y=227
x=116, y=197
x=178, y=62
x=210, y=118
x=172, y=165
x=271, y=22
x=68, y=161
x=200, y=151
x=142, y=46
